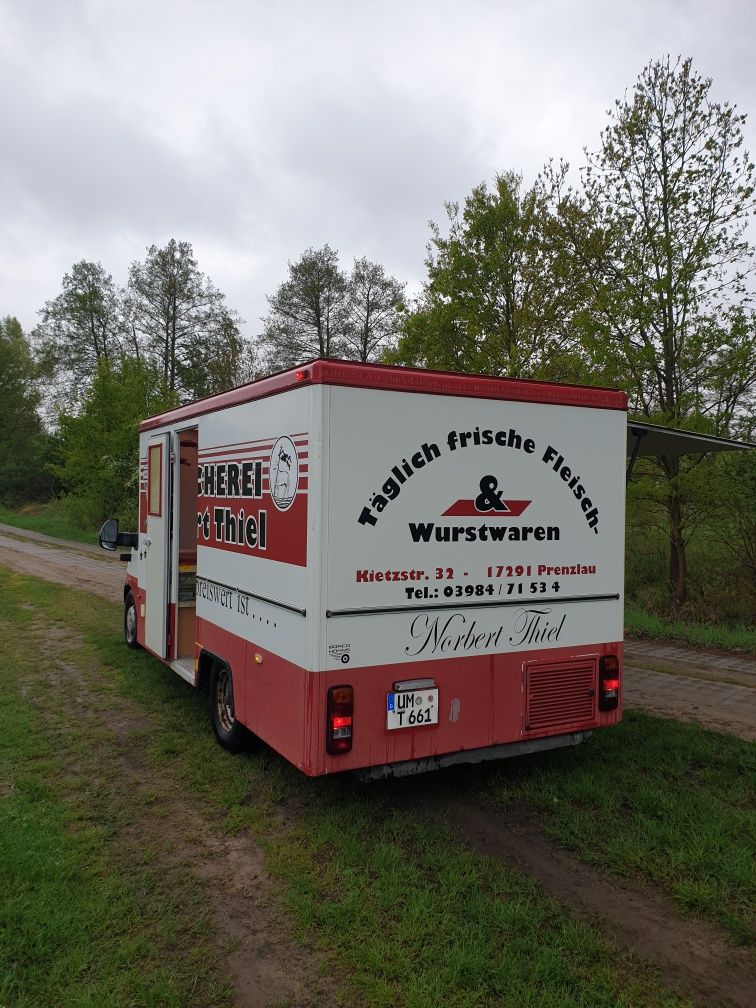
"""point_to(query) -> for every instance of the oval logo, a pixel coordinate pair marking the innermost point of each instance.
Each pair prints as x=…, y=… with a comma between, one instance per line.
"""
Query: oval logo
x=283, y=473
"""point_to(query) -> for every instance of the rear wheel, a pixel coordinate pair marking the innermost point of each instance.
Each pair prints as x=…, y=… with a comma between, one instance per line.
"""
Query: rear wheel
x=130, y=621
x=227, y=730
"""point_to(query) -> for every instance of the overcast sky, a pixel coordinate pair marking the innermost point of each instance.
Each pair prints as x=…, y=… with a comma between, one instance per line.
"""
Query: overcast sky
x=257, y=129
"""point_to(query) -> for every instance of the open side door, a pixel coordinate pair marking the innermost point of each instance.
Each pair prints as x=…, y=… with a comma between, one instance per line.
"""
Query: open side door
x=650, y=439
x=157, y=544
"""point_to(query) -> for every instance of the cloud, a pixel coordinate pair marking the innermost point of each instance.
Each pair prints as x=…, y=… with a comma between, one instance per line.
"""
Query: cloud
x=255, y=130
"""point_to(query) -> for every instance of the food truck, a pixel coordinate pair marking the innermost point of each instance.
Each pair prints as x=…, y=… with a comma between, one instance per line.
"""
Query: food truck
x=386, y=570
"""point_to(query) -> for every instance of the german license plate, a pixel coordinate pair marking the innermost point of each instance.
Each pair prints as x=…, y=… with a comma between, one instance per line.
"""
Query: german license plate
x=412, y=708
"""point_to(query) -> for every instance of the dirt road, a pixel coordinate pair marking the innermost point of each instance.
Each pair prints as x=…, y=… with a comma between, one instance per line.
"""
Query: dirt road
x=710, y=687
x=75, y=564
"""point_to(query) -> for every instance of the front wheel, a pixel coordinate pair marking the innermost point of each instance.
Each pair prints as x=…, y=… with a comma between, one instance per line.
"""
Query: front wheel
x=130, y=621
x=231, y=735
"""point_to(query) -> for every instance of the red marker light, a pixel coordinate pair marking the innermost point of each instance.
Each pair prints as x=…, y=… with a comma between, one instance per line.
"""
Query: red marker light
x=301, y=375
x=609, y=683
x=339, y=712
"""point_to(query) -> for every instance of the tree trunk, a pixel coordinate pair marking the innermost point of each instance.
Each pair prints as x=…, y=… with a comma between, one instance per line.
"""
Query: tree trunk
x=678, y=562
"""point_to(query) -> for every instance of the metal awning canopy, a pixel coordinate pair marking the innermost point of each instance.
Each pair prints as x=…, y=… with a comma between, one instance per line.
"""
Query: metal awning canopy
x=650, y=439
x=653, y=440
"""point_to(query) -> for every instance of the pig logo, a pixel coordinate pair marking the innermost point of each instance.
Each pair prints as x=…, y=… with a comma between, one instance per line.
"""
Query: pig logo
x=283, y=473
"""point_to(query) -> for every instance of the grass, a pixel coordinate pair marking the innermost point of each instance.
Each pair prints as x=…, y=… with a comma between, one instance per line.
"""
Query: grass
x=400, y=912
x=655, y=800
x=49, y=519
x=88, y=917
x=639, y=623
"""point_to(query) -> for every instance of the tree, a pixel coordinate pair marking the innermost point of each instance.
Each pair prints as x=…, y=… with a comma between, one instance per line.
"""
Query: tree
x=495, y=301
x=82, y=326
x=24, y=446
x=100, y=444
x=659, y=236
x=182, y=323
x=375, y=303
x=308, y=312
x=218, y=363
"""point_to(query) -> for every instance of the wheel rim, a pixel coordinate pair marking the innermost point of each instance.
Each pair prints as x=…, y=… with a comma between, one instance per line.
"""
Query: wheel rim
x=131, y=622
x=224, y=700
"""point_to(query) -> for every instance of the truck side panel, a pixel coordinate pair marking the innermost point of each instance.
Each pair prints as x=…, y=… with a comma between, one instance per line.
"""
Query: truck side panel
x=255, y=595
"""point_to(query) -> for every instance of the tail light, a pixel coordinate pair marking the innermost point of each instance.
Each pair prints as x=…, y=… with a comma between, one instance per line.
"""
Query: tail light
x=339, y=719
x=609, y=683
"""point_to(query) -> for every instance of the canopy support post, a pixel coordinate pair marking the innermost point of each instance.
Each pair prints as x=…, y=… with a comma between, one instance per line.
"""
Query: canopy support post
x=637, y=433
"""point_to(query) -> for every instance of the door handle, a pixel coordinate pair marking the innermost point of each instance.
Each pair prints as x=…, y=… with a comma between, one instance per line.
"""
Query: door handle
x=148, y=542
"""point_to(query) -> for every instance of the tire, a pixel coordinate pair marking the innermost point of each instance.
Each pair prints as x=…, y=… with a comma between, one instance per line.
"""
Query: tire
x=130, y=621
x=230, y=735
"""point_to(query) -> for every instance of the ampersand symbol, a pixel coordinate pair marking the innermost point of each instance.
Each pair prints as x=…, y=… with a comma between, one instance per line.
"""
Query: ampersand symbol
x=489, y=498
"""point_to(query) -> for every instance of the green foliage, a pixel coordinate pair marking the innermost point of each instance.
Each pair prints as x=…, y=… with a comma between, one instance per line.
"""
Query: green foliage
x=82, y=326
x=26, y=451
x=666, y=202
x=719, y=539
x=637, y=281
x=112, y=357
x=647, y=625
x=659, y=235
x=100, y=445
x=497, y=300
x=736, y=533
x=49, y=518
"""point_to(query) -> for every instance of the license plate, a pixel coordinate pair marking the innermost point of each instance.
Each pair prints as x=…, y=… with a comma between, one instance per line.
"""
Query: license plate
x=412, y=708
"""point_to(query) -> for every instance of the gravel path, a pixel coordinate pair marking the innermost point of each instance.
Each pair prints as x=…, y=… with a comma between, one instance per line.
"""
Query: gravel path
x=692, y=684
x=75, y=564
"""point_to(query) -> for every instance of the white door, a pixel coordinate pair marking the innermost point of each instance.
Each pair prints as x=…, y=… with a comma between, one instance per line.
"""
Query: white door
x=157, y=544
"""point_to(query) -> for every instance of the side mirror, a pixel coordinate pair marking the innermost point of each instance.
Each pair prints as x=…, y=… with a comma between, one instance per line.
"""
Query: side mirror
x=109, y=535
x=111, y=538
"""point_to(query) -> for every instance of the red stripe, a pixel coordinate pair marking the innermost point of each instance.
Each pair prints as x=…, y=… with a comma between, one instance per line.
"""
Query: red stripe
x=382, y=376
x=235, y=456
x=258, y=450
x=300, y=487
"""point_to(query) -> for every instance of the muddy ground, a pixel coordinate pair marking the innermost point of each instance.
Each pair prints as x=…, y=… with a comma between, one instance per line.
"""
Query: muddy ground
x=712, y=688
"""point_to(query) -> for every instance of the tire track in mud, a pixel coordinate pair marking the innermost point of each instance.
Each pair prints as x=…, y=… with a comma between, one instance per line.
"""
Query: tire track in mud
x=689, y=954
